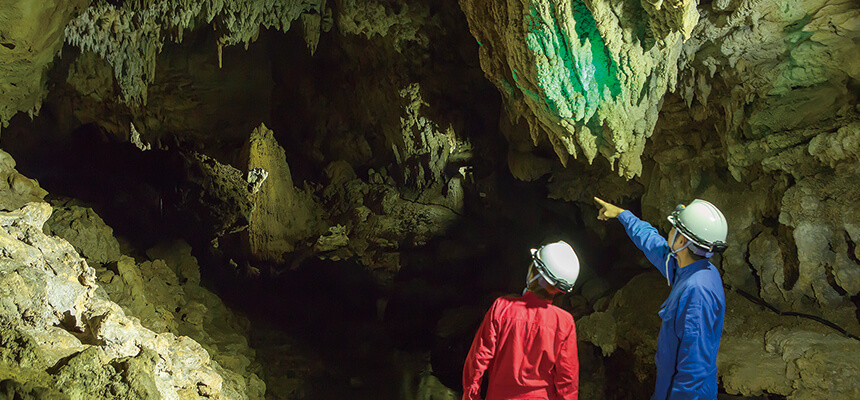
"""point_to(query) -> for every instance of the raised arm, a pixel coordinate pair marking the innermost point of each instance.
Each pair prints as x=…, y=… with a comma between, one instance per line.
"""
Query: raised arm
x=643, y=235
x=607, y=210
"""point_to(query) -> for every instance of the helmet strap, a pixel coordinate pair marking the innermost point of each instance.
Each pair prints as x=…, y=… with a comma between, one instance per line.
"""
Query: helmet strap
x=534, y=275
x=531, y=276
x=674, y=253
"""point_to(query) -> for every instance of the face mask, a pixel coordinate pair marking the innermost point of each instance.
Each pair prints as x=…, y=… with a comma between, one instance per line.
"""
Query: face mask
x=701, y=252
x=673, y=253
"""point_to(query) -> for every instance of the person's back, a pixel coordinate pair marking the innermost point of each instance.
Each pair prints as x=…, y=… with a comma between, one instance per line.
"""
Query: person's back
x=526, y=347
x=536, y=354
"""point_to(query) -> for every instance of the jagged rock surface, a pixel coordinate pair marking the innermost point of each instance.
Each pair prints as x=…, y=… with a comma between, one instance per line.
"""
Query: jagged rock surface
x=16, y=190
x=86, y=231
x=373, y=220
x=760, y=352
x=780, y=75
x=766, y=113
x=130, y=36
x=370, y=18
x=68, y=339
x=31, y=34
x=631, y=323
x=165, y=294
x=64, y=335
x=283, y=214
x=191, y=98
x=349, y=216
x=220, y=194
x=589, y=76
x=763, y=122
x=764, y=125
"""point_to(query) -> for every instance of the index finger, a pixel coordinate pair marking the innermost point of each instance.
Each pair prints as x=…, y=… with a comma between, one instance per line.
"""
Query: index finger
x=601, y=202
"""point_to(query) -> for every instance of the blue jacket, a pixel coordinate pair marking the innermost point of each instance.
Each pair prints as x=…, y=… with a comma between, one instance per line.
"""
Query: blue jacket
x=692, y=319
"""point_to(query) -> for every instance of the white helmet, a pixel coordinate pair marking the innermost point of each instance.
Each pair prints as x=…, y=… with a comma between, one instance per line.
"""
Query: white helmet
x=703, y=224
x=558, y=264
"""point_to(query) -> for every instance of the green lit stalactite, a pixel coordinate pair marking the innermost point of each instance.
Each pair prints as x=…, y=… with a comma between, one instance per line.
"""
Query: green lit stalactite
x=534, y=96
x=584, y=74
x=606, y=72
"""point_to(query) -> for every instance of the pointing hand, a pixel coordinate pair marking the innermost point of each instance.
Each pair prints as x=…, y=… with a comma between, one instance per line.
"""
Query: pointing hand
x=607, y=210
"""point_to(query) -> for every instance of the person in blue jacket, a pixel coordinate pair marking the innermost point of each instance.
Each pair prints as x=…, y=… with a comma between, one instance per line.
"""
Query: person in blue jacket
x=693, y=313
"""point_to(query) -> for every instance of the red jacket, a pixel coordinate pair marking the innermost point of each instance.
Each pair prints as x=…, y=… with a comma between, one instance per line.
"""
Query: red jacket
x=529, y=348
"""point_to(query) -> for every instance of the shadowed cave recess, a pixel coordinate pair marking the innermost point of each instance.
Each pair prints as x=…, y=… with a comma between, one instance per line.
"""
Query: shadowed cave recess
x=317, y=200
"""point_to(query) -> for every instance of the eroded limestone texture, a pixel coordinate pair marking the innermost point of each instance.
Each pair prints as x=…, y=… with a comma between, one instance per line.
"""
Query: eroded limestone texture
x=795, y=357
x=370, y=18
x=750, y=104
x=760, y=352
x=765, y=126
x=68, y=339
x=589, y=76
x=283, y=214
x=16, y=190
x=124, y=329
x=219, y=194
x=191, y=98
x=374, y=220
x=86, y=231
x=130, y=36
x=31, y=34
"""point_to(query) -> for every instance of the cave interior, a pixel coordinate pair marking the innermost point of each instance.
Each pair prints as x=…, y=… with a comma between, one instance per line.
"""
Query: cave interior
x=328, y=197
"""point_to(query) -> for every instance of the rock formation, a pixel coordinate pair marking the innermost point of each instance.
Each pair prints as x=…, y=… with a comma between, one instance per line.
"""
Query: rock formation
x=16, y=190
x=130, y=36
x=788, y=151
x=764, y=109
x=589, y=76
x=369, y=133
x=64, y=337
x=760, y=352
x=282, y=214
x=31, y=37
x=122, y=329
x=86, y=231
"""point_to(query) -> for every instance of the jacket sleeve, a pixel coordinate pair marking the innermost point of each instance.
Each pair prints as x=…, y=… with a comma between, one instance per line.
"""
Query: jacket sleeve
x=567, y=369
x=482, y=352
x=647, y=239
x=692, y=362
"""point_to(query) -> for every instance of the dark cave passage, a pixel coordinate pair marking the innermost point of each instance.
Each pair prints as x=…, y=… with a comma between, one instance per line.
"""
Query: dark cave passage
x=338, y=309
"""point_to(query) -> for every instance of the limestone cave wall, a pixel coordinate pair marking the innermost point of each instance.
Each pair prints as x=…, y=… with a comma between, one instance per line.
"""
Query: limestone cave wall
x=407, y=152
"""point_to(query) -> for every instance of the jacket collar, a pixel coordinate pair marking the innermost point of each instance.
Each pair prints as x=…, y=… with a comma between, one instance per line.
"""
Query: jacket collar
x=532, y=297
x=689, y=270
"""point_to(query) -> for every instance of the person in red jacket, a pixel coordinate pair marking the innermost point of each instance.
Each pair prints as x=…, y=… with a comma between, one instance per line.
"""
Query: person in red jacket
x=526, y=346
